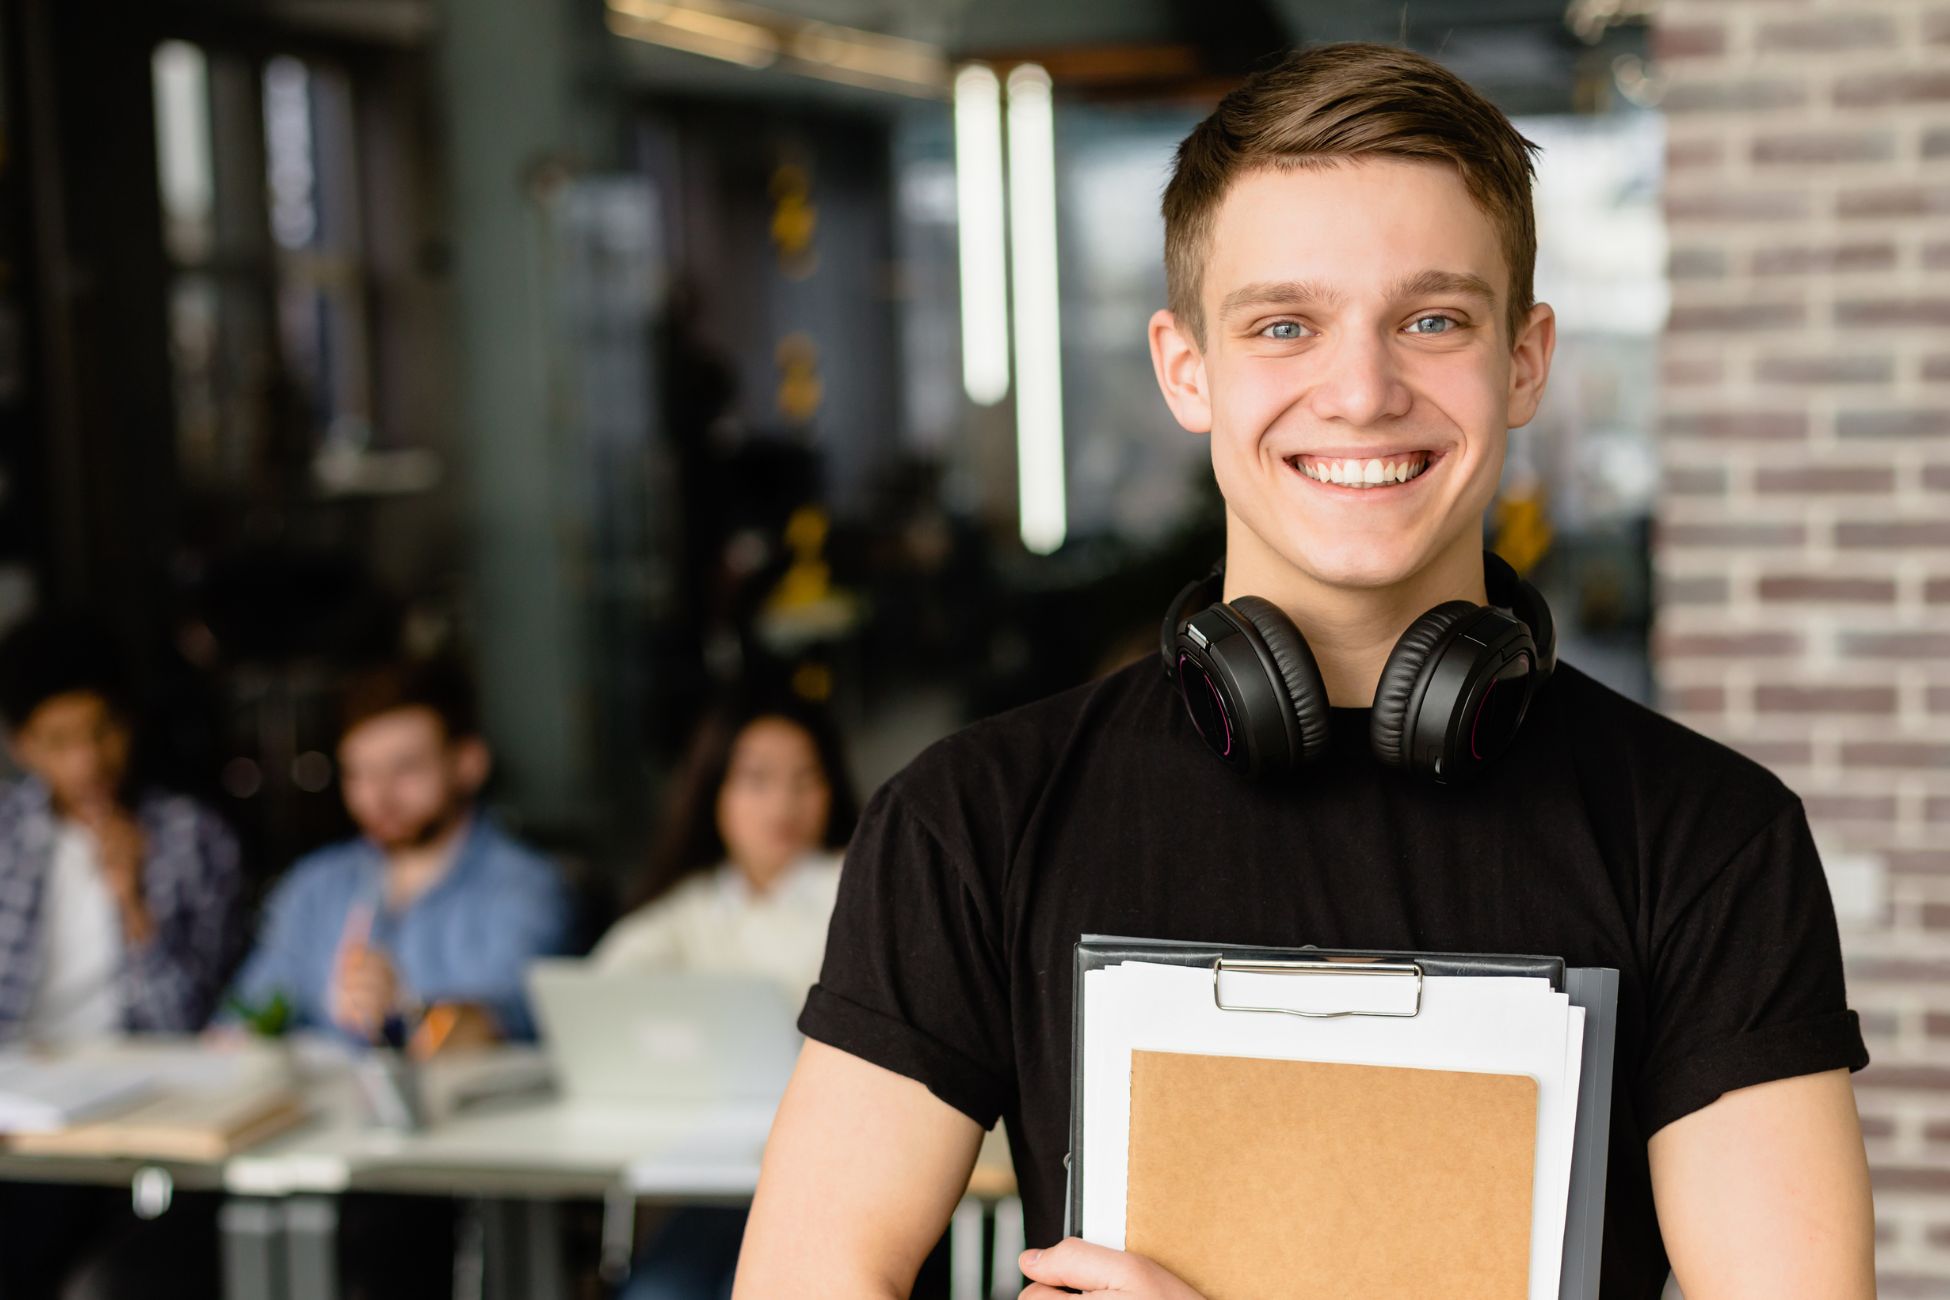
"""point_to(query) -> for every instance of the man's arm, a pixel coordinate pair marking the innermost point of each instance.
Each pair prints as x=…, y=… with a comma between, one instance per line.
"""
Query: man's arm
x=862, y=1171
x=1765, y=1193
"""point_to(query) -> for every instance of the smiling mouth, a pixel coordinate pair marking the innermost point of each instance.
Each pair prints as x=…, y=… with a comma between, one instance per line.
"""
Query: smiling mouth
x=1365, y=475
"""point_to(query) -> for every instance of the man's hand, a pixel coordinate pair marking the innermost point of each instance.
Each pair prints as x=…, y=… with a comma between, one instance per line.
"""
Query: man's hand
x=121, y=847
x=1097, y=1270
x=365, y=988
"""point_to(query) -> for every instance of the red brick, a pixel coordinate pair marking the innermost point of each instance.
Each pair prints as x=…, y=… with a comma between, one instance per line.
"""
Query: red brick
x=1686, y=372
x=1696, y=264
x=1936, y=916
x=1696, y=699
x=1936, y=591
x=1895, y=753
x=1741, y=426
x=1907, y=422
x=1804, y=258
x=1832, y=698
x=1936, y=27
x=1722, y=95
x=1828, y=33
x=1894, y=201
x=1934, y=1078
x=1730, y=534
x=1850, y=807
x=1936, y=478
x=1897, y=645
x=1899, y=970
x=1825, y=479
x=1786, y=587
x=1937, y=699
x=1898, y=1178
x=1694, y=480
x=1825, y=370
x=1892, y=86
x=1803, y=147
x=1893, y=533
x=1937, y=367
x=1671, y=41
x=1908, y=1286
x=1706, y=589
x=1918, y=862
x=1737, y=205
x=1728, y=318
x=1936, y=808
x=1778, y=753
x=1936, y=257
x=1684, y=154
x=1893, y=311
x=1936, y=142
x=1877, y=1127
x=1728, y=645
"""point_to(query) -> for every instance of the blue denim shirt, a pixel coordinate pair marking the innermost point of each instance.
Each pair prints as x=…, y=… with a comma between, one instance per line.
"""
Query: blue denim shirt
x=469, y=938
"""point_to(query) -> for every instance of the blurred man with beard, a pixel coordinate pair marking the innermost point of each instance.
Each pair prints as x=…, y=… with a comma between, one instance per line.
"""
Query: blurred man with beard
x=433, y=906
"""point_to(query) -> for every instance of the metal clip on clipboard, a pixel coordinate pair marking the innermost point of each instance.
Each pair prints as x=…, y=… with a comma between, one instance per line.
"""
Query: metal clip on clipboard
x=1319, y=966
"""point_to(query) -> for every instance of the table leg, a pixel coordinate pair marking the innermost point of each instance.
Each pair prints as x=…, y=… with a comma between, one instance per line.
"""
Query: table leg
x=965, y=1256
x=251, y=1230
x=521, y=1250
x=311, y=1248
x=1005, y=1279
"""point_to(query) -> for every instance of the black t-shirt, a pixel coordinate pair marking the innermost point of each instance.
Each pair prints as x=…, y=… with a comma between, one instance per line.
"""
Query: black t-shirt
x=1606, y=834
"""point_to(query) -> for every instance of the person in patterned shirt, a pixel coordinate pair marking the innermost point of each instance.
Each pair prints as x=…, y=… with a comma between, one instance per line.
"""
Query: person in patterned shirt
x=121, y=909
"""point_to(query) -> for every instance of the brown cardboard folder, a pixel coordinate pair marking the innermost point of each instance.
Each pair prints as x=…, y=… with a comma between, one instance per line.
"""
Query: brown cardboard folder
x=1256, y=1178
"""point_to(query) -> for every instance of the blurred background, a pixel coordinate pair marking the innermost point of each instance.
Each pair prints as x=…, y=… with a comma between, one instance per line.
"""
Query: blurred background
x=639, y=347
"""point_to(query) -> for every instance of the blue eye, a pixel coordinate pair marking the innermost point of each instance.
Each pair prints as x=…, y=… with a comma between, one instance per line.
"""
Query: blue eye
x=1284, y=329
x=1446, y=320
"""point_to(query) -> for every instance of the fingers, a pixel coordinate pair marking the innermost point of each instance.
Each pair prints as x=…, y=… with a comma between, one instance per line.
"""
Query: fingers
x=1037, y=1291
x=1074, y=1262
x=358, y=927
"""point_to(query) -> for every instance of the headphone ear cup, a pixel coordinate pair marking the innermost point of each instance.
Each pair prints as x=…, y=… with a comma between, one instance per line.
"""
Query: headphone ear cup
x=1400, y=677
x=1306, y=694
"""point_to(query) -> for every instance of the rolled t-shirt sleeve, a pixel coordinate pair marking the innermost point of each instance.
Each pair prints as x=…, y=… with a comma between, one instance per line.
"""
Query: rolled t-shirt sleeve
x=1747, y=980
x=913, y=978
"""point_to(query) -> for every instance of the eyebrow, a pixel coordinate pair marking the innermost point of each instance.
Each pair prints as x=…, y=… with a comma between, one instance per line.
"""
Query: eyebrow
x=1419, y=284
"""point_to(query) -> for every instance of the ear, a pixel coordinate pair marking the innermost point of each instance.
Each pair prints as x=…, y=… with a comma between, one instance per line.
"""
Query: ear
x=472, y=762
x=1180, y=367
x=1530, y=365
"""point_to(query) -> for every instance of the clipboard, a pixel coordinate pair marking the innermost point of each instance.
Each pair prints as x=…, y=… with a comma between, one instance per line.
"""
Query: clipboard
x=1593, y=988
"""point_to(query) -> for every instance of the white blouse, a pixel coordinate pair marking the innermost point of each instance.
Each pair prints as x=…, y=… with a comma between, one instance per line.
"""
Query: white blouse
x=715, y=923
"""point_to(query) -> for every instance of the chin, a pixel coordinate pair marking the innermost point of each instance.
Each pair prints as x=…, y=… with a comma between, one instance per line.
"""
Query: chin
x=1344, y=561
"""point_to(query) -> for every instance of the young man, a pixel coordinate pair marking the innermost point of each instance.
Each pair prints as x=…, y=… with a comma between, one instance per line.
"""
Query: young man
x=1349, y=245
x=433, y=907
x=119, y=910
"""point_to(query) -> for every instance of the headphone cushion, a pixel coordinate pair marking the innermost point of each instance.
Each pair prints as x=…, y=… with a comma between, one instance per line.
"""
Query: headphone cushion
x=1387, y=724
x=1299, y=673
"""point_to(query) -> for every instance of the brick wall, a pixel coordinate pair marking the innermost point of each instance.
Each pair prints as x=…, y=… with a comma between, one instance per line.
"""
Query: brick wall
x=1803, y=539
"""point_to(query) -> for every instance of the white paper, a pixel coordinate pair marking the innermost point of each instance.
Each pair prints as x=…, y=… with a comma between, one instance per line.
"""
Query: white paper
x=43, y=1096
x=1488, y=1024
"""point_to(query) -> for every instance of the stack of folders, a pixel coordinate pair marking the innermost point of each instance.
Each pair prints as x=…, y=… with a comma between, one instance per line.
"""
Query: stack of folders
x=1291, y=1122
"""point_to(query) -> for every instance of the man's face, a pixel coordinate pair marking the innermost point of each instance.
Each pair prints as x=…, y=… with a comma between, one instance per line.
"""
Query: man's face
x=1354, y=314
x=405, y=780
x=79, y=747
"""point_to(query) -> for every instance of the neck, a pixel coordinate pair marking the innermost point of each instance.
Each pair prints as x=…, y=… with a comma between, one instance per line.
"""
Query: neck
x=1350, y=629
x=410, y=872
x=760, y=880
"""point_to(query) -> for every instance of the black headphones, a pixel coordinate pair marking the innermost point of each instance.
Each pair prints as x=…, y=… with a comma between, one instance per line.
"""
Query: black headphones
x=1254, y=691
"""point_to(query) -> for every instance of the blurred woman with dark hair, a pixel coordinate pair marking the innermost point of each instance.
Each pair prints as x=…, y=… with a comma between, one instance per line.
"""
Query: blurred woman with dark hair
x=742, y=882
x=747, y=865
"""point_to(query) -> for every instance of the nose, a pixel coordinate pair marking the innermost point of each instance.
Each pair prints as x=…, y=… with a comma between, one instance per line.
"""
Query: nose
x=1359, y=383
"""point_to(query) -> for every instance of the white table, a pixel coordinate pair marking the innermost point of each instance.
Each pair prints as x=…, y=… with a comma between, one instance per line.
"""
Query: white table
x=511, y=1149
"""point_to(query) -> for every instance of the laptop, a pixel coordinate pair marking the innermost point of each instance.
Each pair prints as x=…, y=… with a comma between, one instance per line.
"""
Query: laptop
x=666, y=1036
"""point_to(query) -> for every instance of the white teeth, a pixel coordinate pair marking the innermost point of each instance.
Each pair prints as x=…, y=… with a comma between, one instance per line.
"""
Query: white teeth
x=1363, y=473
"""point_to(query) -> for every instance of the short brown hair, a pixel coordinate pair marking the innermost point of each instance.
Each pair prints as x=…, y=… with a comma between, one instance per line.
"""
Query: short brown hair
x=1352, y=100
x=440, y=684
